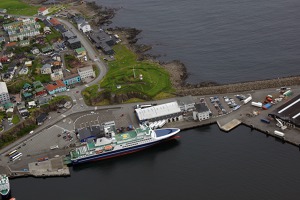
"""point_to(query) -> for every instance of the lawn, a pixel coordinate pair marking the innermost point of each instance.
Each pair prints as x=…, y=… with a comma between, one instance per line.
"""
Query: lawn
x=17, y=7
x=15, y=119
x=54, y=36
x=126, y=71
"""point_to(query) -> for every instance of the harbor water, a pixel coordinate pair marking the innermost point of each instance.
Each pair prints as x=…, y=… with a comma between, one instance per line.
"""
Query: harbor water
x=204, y=163
x=218, y=39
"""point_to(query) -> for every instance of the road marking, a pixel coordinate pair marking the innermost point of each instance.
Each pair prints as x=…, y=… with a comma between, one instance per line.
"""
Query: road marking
x=63, y=116
x=86, y=85
x=96, y=107
x=74, y=100
x=80, y=98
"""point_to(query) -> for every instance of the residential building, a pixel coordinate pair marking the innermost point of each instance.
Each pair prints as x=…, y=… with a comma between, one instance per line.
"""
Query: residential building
x=202, y=112
x=84, y=27
x=28, y=63
x=72, y=79
x=39, y=89
x=48, y=49
x=35, y=51
x=11, y=44
x=27, y=87
x=69, y=35
x=54, y=22
x=43, y=100
x=27, y=95
x=4, y=95
x=102, y=37
x=60, y=28
x=43, y=11
x=24, y=43
x=21, y=29
x=56, y=68
x=41, y=118
x=57, y=87
x=2, y=39
x=56, y=57
x=57, y=76
x=24, y=70
x=105, y=48
x=86, y=72
x=46, y=69
x=31, y=104
x=80, y=53
x=47, y=30
x=74, y=43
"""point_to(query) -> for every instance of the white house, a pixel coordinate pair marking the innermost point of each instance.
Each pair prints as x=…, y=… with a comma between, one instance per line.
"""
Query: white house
x=46, y=69
x=84, y=27
x=57, y=76
x=202, y=112
x=43, y=11
x=86, y=72
x=4, y=95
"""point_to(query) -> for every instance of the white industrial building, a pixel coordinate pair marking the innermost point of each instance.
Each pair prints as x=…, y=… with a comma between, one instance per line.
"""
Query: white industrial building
x=168, y=111
x=202, y=112
x=4, y=95
x=186, y=103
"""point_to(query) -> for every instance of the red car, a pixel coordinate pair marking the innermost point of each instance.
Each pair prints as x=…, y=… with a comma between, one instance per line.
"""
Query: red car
x=77, y=91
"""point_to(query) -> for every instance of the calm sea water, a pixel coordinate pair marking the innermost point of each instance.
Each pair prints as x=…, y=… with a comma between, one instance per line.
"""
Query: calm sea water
x=219, y=40
x=204, y=163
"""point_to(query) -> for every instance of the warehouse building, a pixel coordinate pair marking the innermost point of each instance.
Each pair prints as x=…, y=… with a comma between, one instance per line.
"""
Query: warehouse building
x=289, y=112
x=168, y=111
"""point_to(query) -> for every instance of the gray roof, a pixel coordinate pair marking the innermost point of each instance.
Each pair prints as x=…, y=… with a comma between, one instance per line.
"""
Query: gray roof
x=92, y=131
x=69, y=35
x=289, y=111
x=45, y=66
x=185, y=100
x=201, y=107
x=74, y=40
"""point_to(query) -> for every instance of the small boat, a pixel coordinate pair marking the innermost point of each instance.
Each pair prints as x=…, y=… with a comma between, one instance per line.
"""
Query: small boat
x=108, y=147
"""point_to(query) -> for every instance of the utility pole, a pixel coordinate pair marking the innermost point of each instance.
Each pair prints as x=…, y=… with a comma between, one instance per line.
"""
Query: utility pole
x=133, y=72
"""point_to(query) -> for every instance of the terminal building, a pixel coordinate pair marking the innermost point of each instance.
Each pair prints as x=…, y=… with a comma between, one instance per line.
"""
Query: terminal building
x=289, y=112
x=168, y=111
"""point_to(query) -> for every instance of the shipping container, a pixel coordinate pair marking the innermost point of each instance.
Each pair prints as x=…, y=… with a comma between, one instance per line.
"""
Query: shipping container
x=267, y=106
x=265, y=120
x=278, y=133
x=257, y=104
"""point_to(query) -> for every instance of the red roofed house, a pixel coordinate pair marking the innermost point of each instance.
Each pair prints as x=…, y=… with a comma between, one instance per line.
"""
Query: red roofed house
x=59, y=86
x=43, y=11
x=54, y=21
x=5, y=59
x=10, y=44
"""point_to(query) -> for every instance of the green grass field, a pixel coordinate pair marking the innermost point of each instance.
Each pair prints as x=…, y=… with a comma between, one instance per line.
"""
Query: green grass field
x=125, y=71
x=17, y=7
x=15, y=119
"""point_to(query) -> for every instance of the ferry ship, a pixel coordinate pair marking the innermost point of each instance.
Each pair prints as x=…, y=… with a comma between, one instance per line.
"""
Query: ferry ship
x=113, y=145
x=4, y=186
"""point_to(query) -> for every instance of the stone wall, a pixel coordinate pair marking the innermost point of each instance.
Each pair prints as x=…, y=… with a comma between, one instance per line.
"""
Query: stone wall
x=240, y=87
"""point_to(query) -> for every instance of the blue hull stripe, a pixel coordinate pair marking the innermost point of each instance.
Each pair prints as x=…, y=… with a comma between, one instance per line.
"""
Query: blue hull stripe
x=115, y=153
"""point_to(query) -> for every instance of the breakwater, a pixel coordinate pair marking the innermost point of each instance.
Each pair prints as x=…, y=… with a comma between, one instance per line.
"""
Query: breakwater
x=239, y=87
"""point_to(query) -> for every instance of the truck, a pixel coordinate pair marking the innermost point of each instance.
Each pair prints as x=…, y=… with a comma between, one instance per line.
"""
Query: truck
x=267, y=106
x=265, y=121
x=245, y=101
x=256, y=104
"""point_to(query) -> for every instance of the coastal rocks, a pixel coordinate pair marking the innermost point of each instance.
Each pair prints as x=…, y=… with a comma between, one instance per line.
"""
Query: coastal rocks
x=102, y=15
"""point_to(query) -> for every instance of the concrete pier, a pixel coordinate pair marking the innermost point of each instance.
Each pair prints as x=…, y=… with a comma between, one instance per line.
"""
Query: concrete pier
x=230, y=125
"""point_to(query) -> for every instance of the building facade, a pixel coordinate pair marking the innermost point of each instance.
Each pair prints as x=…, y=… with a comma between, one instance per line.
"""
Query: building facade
x=70, y=80
x=86, y=72
x=57, y=76
x=59, y=86
x=202, y=112
x=4, y=95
